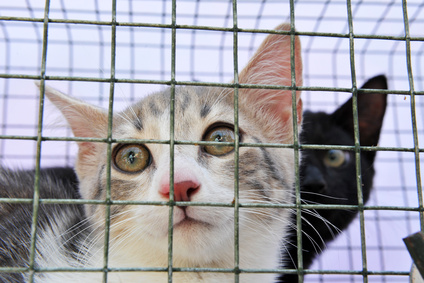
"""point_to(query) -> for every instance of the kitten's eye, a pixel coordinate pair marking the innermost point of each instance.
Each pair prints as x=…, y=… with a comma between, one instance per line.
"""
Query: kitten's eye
x=131, y=158
x=336, y=158
x=219, y=134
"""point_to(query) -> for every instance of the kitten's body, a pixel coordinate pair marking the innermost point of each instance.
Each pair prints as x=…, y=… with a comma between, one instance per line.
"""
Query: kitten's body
x=199, y=247
x=333, y=181
x=53, y=219
x=203, y=236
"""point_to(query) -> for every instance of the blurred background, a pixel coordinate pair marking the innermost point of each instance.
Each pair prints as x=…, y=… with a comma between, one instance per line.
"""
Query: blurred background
x=79, y=46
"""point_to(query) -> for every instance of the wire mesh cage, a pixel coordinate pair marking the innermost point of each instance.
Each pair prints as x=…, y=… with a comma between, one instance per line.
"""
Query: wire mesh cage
x=82, y=47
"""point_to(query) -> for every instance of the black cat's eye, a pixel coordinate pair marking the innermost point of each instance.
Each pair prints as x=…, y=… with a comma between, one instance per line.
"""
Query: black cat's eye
x=131, y=158
x=222, y=133
x=336, y=158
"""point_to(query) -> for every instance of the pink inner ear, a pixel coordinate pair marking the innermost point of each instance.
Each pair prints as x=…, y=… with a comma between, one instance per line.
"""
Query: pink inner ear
x=271, y=65
x=86, y=151
x=87, y=121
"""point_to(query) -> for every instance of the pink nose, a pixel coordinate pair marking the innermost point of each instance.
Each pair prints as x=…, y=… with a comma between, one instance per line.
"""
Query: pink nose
x=184, y=187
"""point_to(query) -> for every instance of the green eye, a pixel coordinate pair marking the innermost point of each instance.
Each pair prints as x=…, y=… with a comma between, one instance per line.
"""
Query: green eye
x=219, y=134
x=336, y=158
x=131, y=158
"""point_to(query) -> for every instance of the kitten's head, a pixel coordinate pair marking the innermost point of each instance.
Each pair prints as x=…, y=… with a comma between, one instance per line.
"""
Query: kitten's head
x=202, y=173
x=329, y=176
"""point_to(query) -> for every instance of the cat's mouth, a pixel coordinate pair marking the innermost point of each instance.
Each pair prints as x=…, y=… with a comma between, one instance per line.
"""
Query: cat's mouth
x=190, y=222
x=183, y=219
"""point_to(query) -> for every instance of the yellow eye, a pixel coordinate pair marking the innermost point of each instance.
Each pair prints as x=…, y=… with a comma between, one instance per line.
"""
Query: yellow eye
x=219, y=134
x=336, y=158
x=131, y=158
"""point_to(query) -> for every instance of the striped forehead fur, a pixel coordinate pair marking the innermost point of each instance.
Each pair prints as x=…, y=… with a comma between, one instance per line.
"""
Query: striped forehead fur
x=199, y=102
x=195, y=102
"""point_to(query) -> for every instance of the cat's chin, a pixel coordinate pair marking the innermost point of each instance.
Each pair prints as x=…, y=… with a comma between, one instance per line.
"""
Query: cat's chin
x=191, y=222
x=196, y=231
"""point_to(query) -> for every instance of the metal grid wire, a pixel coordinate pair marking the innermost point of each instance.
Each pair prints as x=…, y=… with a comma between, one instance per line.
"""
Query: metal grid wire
x=109, y=52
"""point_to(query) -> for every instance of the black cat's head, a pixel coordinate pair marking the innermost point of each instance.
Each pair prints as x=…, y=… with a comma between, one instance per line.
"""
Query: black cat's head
x=328, y=176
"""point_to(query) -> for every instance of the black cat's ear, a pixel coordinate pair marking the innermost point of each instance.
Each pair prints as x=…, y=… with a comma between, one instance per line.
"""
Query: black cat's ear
x=371, y=110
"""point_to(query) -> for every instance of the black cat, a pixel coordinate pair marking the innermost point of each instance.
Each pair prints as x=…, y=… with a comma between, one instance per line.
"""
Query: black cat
x=328, y=176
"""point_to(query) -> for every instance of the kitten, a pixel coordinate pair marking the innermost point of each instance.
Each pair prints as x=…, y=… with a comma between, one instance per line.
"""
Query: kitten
x=203, y=236
x=329, y=176
x=15, y=219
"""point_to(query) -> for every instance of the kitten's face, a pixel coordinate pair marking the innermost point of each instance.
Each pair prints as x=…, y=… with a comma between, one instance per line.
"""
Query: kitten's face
x=329, y=176
x=329, y=172
x=210, y=169
x=202, y=173
x=333, y=172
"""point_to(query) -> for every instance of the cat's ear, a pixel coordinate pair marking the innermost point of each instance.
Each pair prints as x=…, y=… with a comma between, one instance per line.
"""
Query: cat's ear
x=371, y=110
x=85, y=120
x=271, y=65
